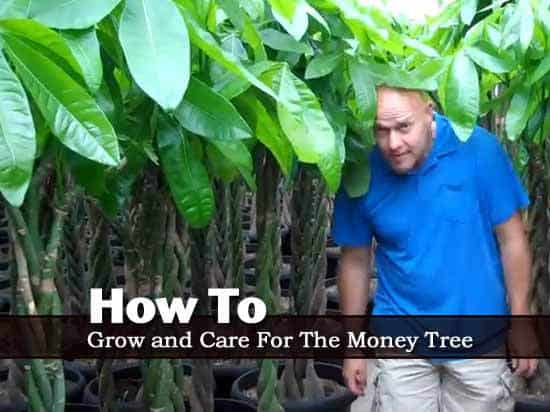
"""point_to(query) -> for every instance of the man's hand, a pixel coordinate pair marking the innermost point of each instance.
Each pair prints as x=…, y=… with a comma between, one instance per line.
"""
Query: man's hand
x=524, y=367
x=355, y=375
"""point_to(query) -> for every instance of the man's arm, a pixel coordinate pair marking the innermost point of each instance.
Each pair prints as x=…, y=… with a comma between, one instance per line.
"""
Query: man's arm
x=353, y=288
x=353, y=280
x=516, y=261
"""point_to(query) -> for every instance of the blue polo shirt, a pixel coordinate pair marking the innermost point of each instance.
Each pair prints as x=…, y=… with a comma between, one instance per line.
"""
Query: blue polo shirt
x=436, y=253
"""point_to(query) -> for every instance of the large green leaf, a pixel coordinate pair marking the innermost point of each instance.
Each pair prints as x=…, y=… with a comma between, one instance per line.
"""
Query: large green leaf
x=254, y=8
x=14, y=9
x=218, y=166
x=527, y=24
x=204, y=41
x=44, y=40
x=306, y=126
x=468, y=11
x=282, y=41
x=17, y=137
x=186, y=174
x=365, y=96
x=207, y=113
x=421, y=47
x=519, y=112
x=302, y=118
x=323, y=64
x=154, y=38
x=85, y=48
x=460, y=95
x=230, y=85
x=540, y=71
x=240, y=19
x=356, y=172
x=237, y=154
x=292, y=15
x=266, y=129
x=424, y=77
x=488, y=57
x=71, y=113
x=331, y=169
x=70, y=14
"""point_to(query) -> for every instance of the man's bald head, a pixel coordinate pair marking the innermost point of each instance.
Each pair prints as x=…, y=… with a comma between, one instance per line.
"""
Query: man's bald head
x=404, y=127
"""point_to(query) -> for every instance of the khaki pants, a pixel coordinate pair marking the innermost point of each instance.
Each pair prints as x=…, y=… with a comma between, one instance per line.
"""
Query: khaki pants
x=417, y=385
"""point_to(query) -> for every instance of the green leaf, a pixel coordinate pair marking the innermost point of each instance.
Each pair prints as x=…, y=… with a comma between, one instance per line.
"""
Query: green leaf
x=468, y=11
x=254, y=8
x=485, y=55
x=72, y=14
x=230, y=85
x=207, y=113
x=330, y=167
x=421, y=47
x=237, y=154
x=356, y=177
x=460, y=96
x=302, y=118
x=543, y=15
x=154, y=38
x=85, y=48
x=323, y=64
x=242, y=21
x=546, y=121
x=511, y=27
x=72, y=115
x=292, y=15
x=365, y=95
x=527, y=24
x=186, y=175
x=266, y=129
x=17, y=137
x=281, y=41
x=518, y=113
x=540, y=71
x=204, y=41
x=14, y=9
x=218, y=166
x=306, y=126
x=424, y=77
x=44, y=40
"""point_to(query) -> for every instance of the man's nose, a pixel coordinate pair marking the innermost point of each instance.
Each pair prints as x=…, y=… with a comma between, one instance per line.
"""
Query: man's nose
x=394, y=141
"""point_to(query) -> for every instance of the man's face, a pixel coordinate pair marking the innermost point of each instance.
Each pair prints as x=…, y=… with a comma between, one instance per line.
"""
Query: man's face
x=403, y=129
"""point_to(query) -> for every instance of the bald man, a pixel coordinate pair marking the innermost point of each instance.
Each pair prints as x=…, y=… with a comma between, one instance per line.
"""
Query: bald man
x=450, y=241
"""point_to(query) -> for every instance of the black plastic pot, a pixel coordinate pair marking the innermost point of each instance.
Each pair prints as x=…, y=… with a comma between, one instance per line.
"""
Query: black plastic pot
x=225, y=375
x=4, y=281
x=10, y=405
x=74, y=383
x=232, y=405
x=333, y=256
x=531, y=405
x=131, y=372
x=5, y=304
x=81, y=407
x=85, y=368
x=338, y=402
x=333, y=298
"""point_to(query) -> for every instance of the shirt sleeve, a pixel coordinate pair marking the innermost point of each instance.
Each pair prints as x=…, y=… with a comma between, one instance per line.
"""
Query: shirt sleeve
x=349, y=225
x=501, y=187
